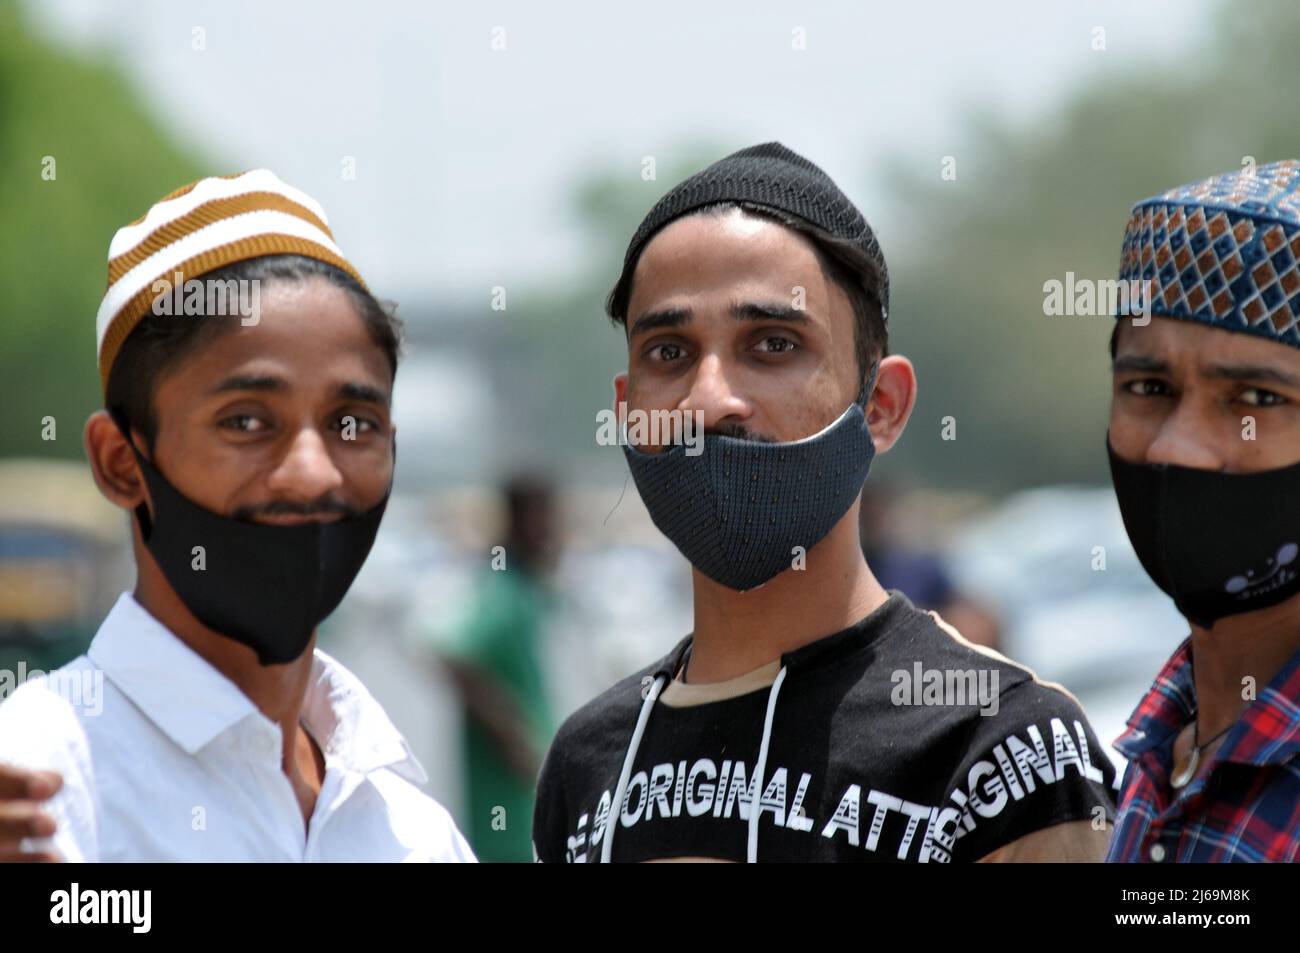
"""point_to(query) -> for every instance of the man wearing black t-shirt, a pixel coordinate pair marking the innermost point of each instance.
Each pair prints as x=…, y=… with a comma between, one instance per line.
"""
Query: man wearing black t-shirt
x=811, y=715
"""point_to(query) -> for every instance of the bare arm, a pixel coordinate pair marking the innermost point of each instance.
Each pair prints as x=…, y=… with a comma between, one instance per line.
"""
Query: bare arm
x=1071, y=842
x=493, y=708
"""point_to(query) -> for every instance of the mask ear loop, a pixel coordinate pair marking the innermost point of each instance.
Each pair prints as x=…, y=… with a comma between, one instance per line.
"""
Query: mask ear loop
x=141, y=511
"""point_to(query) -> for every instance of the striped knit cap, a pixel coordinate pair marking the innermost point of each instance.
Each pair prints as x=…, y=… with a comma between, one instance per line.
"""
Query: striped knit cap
x=1224, y=251
x=199, y=228
x=774, y=177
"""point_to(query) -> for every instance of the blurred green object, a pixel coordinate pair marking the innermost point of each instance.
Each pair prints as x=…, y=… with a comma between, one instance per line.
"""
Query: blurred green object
x=1033, y=200
x=500, y=638
x=80, y=156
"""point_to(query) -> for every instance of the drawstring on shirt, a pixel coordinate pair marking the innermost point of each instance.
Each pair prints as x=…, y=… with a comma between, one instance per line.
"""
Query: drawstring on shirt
x=751, y=853
x=620, y=791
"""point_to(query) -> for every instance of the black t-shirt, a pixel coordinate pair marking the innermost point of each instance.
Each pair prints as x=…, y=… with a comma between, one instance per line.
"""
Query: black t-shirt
x=893, y=740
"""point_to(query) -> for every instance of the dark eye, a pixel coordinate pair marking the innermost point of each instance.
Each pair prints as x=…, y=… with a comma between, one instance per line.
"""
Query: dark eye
x=361, y=424
x=666, y=352
x=244, y=423
x=1148, y=387
x=1259, y=397
x=776, y=344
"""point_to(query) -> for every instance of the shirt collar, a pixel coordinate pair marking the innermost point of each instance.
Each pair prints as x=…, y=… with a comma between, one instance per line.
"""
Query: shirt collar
x=356, y=729
x=193, y=703
x=1268, y=731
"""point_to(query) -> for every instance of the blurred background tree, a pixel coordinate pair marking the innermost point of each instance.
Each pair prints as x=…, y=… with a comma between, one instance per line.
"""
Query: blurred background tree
x=1031, y=201
x=1030, y=393
x=111, y=159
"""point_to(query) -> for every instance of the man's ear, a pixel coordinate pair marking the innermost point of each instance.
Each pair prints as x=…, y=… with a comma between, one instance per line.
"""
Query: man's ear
x=112, y=462
x=620, y=393
x=891, y=403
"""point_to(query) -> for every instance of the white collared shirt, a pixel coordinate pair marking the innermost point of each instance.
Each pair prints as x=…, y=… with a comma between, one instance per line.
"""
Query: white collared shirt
x=165, y=759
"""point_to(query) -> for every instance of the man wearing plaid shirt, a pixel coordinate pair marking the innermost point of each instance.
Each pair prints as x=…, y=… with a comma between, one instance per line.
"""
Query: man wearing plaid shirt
x=1204, y=445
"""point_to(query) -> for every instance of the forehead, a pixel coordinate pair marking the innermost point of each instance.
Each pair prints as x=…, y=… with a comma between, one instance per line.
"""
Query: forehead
x=309, y=334
x=718, y=252
x=1179, y=341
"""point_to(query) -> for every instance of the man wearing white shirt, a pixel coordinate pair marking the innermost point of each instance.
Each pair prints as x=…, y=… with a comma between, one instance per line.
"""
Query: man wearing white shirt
x=156, y=776
x=248, y=374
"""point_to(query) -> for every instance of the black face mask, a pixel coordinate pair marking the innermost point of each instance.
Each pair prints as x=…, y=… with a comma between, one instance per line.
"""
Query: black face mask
x=264, y=586
x=740, y=508
x=1218, y=543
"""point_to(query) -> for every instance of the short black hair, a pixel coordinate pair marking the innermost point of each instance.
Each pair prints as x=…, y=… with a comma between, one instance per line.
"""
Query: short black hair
x=159, y=341
x=844, y=262
x=526, y=490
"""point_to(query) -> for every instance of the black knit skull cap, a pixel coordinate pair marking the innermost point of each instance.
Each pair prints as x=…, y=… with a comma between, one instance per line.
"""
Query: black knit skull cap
x=774, y=177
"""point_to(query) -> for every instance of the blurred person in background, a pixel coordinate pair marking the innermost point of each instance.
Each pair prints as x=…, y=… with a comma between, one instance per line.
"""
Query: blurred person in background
x=495, y=659
x=247, y=375
x=797, y=721
x=1204, y=447
x=918, y=573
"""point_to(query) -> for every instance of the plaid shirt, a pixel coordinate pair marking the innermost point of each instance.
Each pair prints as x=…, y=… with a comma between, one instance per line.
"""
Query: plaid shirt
x=1246, y=808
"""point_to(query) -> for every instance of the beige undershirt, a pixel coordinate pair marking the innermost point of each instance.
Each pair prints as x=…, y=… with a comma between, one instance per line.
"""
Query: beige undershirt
x=679, y=694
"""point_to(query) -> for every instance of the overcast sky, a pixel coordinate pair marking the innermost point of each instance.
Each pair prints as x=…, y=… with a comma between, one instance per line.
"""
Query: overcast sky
x=466, y=156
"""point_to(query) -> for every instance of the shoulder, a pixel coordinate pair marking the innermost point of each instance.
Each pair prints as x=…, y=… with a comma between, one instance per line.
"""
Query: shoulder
x=1019, y=701
x=969, y=691
x=1021, y=692
x=422, y=820
x=42, y=724
x=1030, y=762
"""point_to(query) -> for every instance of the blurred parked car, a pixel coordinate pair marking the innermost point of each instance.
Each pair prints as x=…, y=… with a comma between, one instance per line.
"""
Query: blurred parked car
x=1076, y=605
x=62, y=562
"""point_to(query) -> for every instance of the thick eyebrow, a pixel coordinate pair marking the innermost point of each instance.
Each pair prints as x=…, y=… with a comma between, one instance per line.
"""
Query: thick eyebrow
x=1139, y=362
x=250, y=382
x=351, y=390
x=364, y=392
x=1232, y=372
x=755, y=311
x=741, y=310
x=663, y=318
x=1250, y=372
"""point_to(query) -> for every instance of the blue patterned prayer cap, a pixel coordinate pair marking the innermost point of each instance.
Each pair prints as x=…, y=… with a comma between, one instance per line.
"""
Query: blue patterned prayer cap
x=1224, y=251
